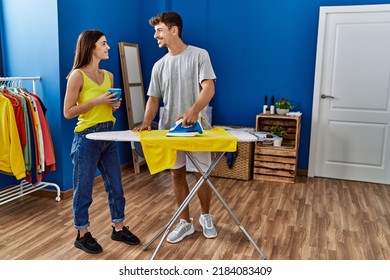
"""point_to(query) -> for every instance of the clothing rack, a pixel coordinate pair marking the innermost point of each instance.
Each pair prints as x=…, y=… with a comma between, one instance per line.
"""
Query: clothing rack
x=11, y=193
x=12, y=79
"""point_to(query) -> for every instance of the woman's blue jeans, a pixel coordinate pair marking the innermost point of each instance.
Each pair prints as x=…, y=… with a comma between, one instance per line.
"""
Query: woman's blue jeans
x=87, y=155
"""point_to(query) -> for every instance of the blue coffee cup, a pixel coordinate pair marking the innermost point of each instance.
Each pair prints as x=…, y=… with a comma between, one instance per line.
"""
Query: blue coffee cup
x=117, y=92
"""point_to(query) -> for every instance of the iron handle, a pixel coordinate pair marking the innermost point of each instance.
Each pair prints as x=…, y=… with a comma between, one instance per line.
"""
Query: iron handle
x=323, y=96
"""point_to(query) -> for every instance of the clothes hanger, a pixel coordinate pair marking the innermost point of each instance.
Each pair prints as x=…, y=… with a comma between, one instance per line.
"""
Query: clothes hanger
x=9, y=94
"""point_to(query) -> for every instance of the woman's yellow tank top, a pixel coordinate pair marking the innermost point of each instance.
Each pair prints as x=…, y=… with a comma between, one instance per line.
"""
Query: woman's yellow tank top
x=100, y=113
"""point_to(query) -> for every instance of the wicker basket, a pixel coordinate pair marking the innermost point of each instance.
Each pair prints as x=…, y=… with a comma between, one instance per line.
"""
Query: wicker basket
x=243, y=165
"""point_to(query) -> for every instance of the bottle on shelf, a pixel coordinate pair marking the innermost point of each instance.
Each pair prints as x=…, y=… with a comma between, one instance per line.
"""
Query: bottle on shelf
x=272, y=109
x=265, y=106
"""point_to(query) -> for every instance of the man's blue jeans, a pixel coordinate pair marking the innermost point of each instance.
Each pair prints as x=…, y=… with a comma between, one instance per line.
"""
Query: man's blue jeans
x=87, y=155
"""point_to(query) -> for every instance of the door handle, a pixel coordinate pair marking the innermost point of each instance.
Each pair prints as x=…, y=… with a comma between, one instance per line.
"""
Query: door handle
x=323, y=96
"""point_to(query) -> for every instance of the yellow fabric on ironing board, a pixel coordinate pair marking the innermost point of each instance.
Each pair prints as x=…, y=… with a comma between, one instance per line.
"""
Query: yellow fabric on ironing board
x=160, y=150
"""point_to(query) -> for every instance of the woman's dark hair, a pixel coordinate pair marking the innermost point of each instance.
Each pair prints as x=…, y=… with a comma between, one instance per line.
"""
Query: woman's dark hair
x=85, y=45
x=169, y=19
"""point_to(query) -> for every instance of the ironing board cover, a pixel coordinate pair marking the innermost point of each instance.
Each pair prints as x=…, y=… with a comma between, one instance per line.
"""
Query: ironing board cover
x=160, y=150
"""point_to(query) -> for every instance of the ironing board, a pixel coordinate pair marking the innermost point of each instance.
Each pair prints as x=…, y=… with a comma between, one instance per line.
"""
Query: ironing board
x=130, y=136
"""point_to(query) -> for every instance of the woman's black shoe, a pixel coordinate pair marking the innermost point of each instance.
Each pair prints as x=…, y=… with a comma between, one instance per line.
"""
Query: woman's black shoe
x=124, y=235
x=87, y=243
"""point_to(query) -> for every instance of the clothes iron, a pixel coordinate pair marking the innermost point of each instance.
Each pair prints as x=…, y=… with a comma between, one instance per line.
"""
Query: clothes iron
x=179, y=130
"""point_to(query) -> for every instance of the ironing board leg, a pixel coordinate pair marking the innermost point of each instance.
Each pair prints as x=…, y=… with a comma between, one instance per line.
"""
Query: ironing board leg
x=192, y=193
x=205, y=177
x=236, y=220
x=167, y=227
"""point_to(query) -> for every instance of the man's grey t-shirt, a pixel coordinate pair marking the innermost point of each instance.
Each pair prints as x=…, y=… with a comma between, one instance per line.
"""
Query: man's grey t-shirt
x=176, y=79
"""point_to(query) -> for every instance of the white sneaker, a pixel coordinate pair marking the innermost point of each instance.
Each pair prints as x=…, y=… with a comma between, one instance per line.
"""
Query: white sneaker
x=181, y=230
x=209, y=230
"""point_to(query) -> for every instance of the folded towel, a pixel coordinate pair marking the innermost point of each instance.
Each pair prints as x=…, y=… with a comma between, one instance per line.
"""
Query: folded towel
x=295, y=114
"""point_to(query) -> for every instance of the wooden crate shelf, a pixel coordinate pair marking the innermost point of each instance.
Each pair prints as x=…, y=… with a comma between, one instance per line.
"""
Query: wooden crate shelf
x=277, y=164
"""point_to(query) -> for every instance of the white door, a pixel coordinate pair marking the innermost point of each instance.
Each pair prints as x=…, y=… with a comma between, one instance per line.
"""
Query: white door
x=350, y=136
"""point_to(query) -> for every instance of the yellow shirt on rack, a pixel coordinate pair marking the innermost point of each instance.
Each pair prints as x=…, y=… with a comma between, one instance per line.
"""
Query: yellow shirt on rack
x=11, y=155
x=160, y=150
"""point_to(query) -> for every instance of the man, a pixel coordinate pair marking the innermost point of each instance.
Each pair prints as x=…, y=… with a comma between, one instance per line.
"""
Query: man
x=184, y=80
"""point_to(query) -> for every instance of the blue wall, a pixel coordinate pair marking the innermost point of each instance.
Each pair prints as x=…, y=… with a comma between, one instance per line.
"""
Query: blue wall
x=31, y=49
x=119, y=21
x=40, y=38
x=257, y=48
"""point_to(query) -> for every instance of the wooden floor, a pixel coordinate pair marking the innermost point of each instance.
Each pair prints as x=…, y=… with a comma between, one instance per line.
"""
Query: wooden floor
x=313, y=219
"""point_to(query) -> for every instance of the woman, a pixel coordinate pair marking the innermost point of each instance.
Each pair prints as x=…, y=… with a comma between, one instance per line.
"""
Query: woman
x=88, y=98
